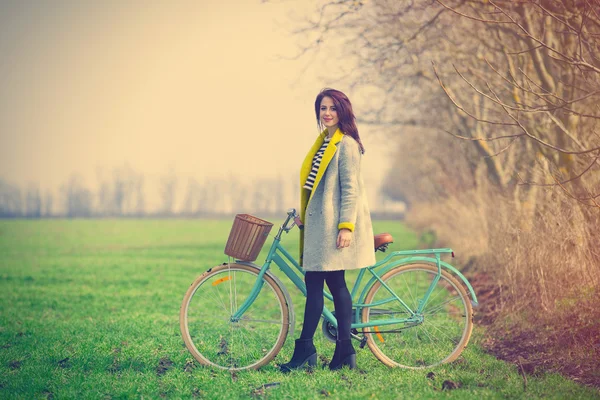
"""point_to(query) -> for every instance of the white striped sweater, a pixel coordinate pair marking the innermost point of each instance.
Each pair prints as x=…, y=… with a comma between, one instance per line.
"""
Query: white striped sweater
x=310, y=181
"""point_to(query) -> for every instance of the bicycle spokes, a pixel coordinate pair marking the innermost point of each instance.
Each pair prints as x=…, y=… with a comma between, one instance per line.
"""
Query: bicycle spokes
x=433, y=327
x=231, y=343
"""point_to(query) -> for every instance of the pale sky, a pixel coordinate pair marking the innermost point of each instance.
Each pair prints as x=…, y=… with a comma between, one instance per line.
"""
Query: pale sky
x=196, y=86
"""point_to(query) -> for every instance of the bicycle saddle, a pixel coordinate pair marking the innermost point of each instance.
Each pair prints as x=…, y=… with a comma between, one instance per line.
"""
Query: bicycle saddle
x=382, y=240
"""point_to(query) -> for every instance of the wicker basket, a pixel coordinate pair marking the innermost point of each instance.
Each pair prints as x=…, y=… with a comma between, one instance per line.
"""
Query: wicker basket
x=247, y=237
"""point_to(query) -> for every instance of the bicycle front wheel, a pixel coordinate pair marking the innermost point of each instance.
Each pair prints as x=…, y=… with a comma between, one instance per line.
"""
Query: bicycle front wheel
x=208, y=330
x=446, y=318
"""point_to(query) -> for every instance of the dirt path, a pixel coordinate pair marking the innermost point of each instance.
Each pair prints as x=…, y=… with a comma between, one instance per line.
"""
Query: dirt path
x=534, y=348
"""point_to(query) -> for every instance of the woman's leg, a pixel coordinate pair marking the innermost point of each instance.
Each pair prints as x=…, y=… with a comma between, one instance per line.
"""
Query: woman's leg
x=304, y=350
x=314, y=303
x=342, y=301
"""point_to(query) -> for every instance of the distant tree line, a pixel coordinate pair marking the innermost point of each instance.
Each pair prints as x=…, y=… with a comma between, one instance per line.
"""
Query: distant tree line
x=122, y=194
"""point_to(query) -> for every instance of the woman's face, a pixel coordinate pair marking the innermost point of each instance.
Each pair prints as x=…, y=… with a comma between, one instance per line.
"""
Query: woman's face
x=328, y=114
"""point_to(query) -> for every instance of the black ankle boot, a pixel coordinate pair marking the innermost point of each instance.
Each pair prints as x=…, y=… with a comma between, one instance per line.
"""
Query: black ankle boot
x=344, y=354
x=304, y=353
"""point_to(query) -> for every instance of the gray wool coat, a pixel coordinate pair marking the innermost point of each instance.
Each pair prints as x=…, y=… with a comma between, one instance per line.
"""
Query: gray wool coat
x=338, y=200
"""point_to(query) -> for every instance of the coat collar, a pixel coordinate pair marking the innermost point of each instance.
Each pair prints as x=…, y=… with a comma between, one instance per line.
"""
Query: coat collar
x=307, y=164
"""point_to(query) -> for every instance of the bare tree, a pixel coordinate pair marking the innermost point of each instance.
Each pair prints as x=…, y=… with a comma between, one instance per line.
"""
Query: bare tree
x=193, y=203
x=48, y=204
x=540, y=88
x=167, y=190
x=10, y=200
x=77, y=199
x=206, y=197
x=33, y=202
x=139, y=208
x=104, y=205
x=122, y=193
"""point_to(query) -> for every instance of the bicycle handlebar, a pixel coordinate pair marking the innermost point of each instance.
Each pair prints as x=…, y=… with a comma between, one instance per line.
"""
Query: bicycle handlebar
x=297, y=221
x=291, y=214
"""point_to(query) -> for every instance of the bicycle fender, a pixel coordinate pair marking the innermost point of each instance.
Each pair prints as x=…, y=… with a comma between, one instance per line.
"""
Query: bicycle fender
x=286, y=294
x=429, y=260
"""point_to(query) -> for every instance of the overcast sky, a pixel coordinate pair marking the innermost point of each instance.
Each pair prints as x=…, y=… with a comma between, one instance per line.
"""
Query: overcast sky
x=193, y=86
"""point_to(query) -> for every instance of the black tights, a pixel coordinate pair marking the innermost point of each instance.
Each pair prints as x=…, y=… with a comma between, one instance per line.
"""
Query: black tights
x=342, y=302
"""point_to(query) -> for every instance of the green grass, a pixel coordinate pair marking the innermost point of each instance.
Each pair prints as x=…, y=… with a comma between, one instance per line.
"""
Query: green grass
x=90, y=309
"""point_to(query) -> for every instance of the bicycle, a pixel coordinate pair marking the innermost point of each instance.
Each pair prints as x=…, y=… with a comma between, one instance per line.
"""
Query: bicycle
x=413, y=312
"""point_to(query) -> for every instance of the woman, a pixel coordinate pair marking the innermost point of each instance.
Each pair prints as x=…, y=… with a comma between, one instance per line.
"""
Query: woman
x=338, y=234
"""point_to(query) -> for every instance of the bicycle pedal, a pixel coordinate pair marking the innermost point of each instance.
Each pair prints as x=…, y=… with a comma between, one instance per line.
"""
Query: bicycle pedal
x=363, y=342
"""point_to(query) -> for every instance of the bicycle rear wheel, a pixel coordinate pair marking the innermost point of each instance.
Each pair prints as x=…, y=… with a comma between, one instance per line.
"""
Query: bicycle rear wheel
x=205, y=319
x=447, y=318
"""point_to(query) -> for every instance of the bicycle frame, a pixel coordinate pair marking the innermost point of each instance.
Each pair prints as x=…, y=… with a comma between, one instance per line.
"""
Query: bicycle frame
x=281, y=257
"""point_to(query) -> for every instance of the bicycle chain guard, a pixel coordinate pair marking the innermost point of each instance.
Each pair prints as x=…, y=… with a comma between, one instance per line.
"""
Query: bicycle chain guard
x=330, y=331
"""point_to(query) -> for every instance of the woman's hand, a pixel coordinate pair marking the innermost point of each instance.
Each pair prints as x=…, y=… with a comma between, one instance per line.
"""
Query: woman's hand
x=344, y=238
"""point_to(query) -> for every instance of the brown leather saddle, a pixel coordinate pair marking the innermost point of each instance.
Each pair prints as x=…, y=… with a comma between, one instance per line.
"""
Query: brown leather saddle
x=382, y=241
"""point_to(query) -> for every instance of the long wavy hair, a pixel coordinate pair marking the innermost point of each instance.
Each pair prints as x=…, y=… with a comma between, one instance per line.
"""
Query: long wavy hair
x=345, y=114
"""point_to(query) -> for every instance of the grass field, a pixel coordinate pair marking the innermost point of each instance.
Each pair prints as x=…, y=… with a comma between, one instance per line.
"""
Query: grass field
x=90, y=309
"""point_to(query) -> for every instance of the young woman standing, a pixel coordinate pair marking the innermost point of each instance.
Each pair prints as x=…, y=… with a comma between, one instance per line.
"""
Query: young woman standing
x=338, y=234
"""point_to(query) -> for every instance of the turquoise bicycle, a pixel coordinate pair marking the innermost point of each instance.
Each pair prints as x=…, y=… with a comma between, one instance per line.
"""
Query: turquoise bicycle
x=412, y=312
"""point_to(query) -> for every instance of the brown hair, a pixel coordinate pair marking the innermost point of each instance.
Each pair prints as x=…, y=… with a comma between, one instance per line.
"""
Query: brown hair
x=345, y=114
